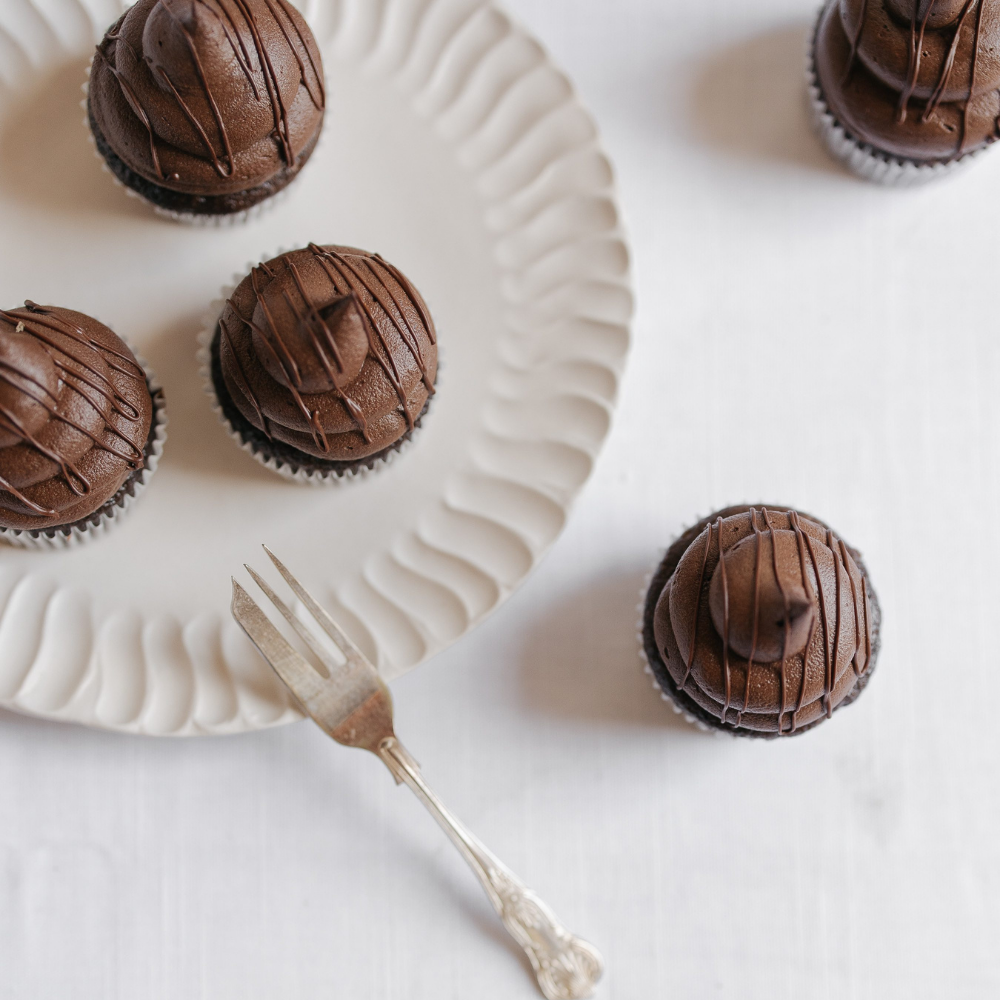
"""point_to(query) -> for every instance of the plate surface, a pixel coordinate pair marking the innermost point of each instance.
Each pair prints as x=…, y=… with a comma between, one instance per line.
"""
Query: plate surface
x=454, y=148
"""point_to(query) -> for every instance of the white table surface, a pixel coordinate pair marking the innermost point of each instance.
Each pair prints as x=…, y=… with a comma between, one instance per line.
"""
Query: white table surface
x=800, y=337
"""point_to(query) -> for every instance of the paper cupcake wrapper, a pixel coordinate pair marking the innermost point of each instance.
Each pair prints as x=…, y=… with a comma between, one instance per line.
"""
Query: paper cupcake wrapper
x=68, y=537
x=665, y=693
x=216, y=221
x=191, y=218
x=258, y=451
x=861, y=158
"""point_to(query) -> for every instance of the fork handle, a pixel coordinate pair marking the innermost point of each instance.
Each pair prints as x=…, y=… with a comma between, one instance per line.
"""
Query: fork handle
x=567, y=967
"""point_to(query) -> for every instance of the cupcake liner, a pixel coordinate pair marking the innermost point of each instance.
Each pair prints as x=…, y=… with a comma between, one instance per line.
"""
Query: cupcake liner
x=191, y=218
x=258, y=451
x=101, y=522
x=251, y=214
x=862, y=158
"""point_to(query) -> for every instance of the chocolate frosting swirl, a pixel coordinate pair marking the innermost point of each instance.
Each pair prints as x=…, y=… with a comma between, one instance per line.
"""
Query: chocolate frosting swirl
x=766, y=622
x=328, y=349
x=75, y=414
x=919, y=79
x=208, y=97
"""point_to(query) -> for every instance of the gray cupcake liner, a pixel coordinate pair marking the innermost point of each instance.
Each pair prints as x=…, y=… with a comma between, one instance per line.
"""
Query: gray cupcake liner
x=862, y=158
x=72, y=536
x=251, y=214
x=191, y=218
x=258, y=451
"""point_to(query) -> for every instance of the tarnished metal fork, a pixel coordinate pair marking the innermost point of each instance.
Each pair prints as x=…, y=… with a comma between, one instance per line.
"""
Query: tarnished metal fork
x=352, y=704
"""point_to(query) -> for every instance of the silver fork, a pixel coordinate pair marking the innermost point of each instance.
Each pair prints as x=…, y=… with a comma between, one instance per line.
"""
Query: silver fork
x=352, y=704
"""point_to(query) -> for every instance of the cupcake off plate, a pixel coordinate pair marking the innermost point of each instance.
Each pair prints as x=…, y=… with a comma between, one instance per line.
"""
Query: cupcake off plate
x=454, y=148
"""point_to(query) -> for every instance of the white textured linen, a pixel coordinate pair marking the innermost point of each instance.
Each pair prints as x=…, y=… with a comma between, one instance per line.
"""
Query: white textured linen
x=801, y=337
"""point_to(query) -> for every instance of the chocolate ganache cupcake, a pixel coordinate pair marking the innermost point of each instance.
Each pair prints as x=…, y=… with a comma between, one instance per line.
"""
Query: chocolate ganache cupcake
x=905, y=89
x=760, y=621
x=206, y=108
x=81, y=426
x=323, y=362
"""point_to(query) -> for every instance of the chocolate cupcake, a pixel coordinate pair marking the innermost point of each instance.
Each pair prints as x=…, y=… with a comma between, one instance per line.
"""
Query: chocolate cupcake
x=905, y=90
x=207, y=108
x=770, y=639
x=322, y=362
x=82, y=426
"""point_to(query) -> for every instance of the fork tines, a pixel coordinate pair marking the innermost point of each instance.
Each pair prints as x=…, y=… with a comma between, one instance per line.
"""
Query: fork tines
x=348, y=699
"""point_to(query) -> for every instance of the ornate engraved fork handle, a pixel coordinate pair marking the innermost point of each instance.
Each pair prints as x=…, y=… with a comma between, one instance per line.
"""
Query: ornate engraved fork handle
x=567, y=967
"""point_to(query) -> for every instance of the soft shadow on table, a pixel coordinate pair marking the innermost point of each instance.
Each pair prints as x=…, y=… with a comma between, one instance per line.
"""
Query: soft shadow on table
x=197, y=439
x=581, y=658
x=69, y=735
x=16, y=721
x=749, y=100
x=46, y=158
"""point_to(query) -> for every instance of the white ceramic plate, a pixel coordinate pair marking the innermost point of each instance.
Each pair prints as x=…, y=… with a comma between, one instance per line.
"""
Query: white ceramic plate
x=454, y=148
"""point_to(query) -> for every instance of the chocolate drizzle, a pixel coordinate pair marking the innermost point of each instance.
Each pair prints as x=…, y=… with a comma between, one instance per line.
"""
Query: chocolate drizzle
x=972, y=73
x=949, y=65
x=755, y=613
x=78, y=363
x=697, y=607
x=206, y=87
x=264, y=37
x=914, y=57
x=244, y=385
x=827, y=663
x=133, y=102
x=732, y=654
x=236, y=43
x=859, y=669
x=725, y=627
x=855, y=42
x=800, y=545
x=325, y=289
x=943, y=59
x=331, y=260
x=787, y=624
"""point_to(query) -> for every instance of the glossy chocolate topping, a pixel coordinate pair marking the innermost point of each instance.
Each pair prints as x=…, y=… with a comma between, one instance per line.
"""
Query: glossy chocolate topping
x=919, y=79
x=759, y=604
x=208, y=97
x=766, y=621
x=330, y=350
x=75, y=414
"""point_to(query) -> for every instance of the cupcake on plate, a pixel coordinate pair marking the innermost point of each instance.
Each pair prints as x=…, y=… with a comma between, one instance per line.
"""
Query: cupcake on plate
x=82, y=426
x=903, y=91
x=760, y=621
x=207, y=108
x=322, y=362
